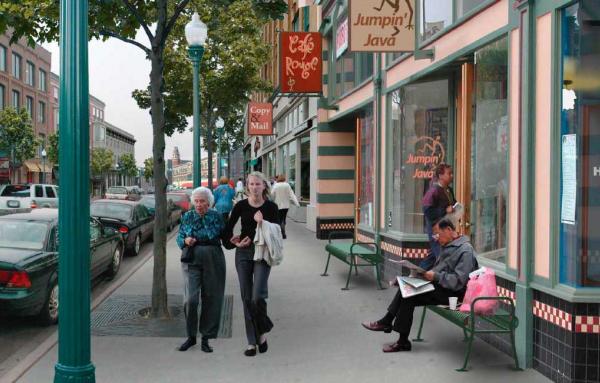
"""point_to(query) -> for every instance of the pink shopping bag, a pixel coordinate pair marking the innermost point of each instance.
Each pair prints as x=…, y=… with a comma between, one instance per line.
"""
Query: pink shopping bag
x=481, y=285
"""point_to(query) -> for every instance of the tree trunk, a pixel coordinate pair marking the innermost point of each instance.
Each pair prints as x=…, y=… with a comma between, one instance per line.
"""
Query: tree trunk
x=160, y=307
x=209, y=149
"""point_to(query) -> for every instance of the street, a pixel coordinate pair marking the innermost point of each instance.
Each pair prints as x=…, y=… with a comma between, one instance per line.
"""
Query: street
x=19, y=335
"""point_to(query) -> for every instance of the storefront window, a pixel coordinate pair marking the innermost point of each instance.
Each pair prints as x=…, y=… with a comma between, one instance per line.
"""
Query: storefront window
x=292, y=164
x=435, y=16
x=489, y=152
x=284, y=160
x=367, y=170
x=305, y=167
x=462, y=7
x=420, y=142
x=580, y=145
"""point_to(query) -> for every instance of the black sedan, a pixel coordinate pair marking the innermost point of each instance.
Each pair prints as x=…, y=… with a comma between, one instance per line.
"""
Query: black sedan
x=131, y=218
x=29, y=262
x=174, y=210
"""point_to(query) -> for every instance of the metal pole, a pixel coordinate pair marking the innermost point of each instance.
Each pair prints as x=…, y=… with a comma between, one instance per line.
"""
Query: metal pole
x=43, y=169
x=219, y=166
x=195, y=55
x=74, y=359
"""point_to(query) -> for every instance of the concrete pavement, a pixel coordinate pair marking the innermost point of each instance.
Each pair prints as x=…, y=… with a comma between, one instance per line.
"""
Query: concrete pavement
x=317, y=335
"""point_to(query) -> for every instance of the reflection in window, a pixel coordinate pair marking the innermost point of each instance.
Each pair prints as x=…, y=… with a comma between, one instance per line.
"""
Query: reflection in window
x=367, y=169
x=462, y=7
x=305, y=167
x=489, y=152
x=292, y=164
x=420, y=139
x=580, y=145
x=435, y=16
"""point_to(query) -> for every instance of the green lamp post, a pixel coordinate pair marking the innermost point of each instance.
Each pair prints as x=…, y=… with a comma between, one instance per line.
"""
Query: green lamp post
x=195, y=34
x=220, y=130
x=74, y=355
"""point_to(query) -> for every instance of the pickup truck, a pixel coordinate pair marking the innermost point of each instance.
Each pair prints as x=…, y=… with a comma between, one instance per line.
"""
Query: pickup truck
x=22, y=198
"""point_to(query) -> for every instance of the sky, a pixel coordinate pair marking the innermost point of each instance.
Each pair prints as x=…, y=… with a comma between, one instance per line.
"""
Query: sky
x=116, y=69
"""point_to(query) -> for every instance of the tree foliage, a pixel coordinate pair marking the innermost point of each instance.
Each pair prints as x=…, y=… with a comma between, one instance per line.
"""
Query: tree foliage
x=148, y=167
x=102, y=161
x=127, y=165
x=52, y=148
x=17, y=136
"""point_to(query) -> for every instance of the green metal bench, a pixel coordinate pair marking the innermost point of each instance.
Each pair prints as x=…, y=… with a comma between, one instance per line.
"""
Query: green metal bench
x=502, y=322
x=350, y=252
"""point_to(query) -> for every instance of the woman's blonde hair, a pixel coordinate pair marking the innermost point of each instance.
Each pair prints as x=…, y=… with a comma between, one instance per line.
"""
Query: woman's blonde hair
x=281, y=178
x=223, y=180
x=263, y=178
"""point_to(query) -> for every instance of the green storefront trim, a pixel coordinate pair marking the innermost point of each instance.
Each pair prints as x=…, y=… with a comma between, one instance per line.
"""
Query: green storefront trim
x=335, y=174
x=336, y=151
x=326, y=127
x=335, y=198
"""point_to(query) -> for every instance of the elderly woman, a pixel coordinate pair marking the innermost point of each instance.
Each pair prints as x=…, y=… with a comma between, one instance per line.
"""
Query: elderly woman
x=200, y=230
x=253, y=275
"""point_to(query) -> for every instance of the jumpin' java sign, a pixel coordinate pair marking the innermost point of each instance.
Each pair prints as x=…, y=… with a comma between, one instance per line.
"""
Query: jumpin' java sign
x=428, y=153
x=301, y=62
x=382, y=25
x=260, y=119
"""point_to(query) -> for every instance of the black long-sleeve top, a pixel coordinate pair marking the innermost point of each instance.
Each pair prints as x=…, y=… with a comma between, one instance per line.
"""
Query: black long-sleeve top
x=246, y=212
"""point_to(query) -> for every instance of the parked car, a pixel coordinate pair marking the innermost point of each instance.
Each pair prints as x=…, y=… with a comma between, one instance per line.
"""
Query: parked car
x=21, y=198
x=174, y=211
x=131, y=193
x=181, y=199
x=29, y=262
x=131, y=218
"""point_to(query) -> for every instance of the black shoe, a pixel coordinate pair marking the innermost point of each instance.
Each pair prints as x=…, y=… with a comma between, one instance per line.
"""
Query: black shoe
x=187, y=344
x=250, y=352
x=262, y=348
x=283, y=235
x=205, y=346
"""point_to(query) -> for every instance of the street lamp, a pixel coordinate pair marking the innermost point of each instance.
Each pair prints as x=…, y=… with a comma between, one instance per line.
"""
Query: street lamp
x=220, y=130
x=43, y=166
x=195, y=34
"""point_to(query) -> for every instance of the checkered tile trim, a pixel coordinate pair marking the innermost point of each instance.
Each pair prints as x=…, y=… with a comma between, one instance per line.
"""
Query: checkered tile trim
x=504, y=292
x=553, y=315
x=587, y=324
x=415, y=253
x=337, y=226
x=363, y=238
x=392, y=249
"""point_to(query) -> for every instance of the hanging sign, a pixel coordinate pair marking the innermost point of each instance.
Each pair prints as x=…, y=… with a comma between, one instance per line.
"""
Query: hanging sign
x=569, y=179
x=260, y=119
x=341, y=38
x=301, y=62
x=382, y=26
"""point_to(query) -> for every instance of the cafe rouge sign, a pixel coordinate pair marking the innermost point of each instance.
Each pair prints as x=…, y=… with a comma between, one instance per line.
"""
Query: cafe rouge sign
x=382, y=26
x=301, y=62
x=260, y=119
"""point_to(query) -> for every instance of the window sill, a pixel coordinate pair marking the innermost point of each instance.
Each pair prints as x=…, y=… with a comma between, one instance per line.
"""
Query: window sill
x=397, y=61
x=570, y=294
x=353, y=90
x=405, y=237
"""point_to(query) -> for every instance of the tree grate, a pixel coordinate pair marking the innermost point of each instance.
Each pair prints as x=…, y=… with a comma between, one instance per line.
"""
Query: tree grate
x=124, y=315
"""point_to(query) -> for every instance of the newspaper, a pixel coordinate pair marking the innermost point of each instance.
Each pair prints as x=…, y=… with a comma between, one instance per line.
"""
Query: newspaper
x=408, y=291
x=409, y=265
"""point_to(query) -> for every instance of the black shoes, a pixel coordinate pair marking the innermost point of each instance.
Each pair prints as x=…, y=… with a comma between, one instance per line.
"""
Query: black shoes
x=205, y=346
x=262, y=348
x=250, y=352
x=189, y=343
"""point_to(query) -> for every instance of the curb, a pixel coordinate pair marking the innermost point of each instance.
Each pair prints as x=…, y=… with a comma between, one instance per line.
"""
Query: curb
x=38, y=353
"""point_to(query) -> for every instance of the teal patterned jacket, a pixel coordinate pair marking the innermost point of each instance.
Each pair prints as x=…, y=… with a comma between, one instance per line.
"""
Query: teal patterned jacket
x=205, y=228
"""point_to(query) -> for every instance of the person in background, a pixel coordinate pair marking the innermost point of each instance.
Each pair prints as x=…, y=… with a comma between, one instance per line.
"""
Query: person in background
x=282, y=194
x=253, y=275
x=437, y=202
x=224, y=195
x=201, y=229
x=239, y=189
x=449, y=275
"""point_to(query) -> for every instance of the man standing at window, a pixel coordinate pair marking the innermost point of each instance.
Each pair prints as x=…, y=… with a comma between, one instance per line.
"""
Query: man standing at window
x=437, y=202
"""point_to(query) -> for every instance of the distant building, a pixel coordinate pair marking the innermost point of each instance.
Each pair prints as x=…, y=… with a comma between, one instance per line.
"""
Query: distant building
x=119, y=142
x=24, y=84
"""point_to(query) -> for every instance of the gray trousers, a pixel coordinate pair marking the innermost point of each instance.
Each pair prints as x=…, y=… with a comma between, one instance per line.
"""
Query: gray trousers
x=204, y=276
x=254, y=278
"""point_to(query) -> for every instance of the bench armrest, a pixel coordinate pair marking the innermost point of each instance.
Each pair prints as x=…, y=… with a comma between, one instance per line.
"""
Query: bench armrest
x=340, y=234
x=364, y=243
x=507, y=300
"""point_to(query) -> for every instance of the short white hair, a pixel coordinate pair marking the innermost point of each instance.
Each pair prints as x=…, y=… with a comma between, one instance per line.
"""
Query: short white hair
x=205, y=193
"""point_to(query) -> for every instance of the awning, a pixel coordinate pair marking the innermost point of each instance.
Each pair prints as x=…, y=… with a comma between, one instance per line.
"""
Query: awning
x=31, y=166
x=46, y=167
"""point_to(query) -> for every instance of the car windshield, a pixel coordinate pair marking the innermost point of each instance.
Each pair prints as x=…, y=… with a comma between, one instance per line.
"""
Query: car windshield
x=118, y=211
x=15, y=191
x=149, y=202
x=116, y=190
x=23, y=234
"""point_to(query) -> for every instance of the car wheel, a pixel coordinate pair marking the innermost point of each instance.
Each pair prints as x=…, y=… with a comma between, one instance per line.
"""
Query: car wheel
x=115, y=263
x=137, y=245
x=49, y=313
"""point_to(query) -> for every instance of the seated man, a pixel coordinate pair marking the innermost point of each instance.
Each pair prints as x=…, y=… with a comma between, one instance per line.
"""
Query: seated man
x=449, y=274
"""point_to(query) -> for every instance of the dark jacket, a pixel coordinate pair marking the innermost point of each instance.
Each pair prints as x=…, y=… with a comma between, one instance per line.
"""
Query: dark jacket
x=435, y=201
x=454, y=264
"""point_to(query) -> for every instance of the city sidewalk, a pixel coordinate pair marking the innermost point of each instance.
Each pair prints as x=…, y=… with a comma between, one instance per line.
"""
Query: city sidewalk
x=317, y=335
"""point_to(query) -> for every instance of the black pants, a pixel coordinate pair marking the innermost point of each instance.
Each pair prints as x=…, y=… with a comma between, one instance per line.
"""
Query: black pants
x=403, y=308
x=282, y=218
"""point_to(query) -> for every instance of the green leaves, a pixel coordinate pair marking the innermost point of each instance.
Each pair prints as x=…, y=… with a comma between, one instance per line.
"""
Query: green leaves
x=52, y=148
x=148, y=168
x=102, y=161
x=127, y=165
x=17, y=135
